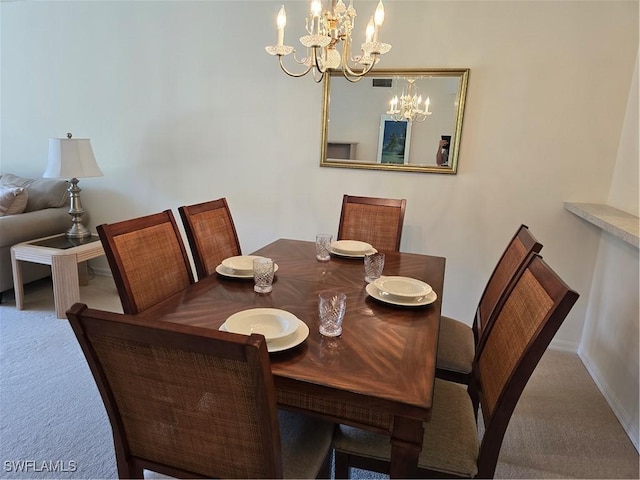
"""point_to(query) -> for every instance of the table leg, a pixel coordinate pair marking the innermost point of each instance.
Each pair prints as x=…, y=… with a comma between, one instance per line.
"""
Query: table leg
x=18, y=287
x=66, y=289
x=406, y=444
x=83, y=273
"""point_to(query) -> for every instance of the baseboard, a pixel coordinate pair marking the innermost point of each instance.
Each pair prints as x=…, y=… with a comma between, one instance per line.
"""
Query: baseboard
x=623, y=417
x=564, y=346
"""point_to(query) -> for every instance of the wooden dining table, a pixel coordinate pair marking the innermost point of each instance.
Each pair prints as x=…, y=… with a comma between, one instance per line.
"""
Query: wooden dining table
x=377, y=375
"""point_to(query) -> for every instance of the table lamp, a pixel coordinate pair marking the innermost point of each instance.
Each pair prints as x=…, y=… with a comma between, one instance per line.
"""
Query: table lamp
x=72, y=158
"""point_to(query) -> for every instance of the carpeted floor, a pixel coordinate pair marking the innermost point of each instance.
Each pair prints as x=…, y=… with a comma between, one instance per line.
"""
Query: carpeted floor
x=53, y=423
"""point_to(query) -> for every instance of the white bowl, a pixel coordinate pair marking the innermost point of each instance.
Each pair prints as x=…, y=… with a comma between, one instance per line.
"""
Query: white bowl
x=241, y=263
x=402, y=287
x=351, y=247
x=270, y=322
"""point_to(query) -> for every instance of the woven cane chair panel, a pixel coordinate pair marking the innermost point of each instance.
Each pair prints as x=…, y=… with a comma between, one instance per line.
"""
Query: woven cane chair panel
x=153, y=264
x=522, y=315
x=505, y=270
x=374, y=224
x=172, y=419
x=215, y=238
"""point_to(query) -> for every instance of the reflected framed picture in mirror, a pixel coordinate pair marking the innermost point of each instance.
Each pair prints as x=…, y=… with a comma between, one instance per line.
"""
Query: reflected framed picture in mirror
x=394, y=141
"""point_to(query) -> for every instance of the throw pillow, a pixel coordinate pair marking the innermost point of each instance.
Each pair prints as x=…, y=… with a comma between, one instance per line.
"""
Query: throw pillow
x=13, y=200
x=43, y=193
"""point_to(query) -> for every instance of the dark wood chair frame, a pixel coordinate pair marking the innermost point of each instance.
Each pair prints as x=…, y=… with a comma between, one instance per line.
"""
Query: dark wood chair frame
x=483, y=318
x=496, y=423
x=250, y=349
x=107, y=232
x=383, y=202
x=197, y=250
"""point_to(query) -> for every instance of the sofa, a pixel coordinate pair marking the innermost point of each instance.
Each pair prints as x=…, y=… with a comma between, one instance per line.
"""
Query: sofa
x=29, y=209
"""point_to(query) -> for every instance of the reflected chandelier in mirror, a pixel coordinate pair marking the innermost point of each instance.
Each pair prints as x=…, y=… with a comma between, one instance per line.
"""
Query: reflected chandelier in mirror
x=406, y=120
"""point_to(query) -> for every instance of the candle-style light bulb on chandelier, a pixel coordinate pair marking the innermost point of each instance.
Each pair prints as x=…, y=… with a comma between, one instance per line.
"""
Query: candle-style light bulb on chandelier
x=409, y=106
x=327, y=28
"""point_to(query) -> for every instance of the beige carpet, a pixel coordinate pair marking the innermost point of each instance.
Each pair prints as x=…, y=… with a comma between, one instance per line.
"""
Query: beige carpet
x=561, y=428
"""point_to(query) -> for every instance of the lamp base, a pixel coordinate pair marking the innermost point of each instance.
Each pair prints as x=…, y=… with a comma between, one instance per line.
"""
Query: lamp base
x=77, y=230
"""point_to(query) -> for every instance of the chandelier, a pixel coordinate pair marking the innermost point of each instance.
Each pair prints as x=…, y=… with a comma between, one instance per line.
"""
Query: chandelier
x=410, y=106
x=327, y=28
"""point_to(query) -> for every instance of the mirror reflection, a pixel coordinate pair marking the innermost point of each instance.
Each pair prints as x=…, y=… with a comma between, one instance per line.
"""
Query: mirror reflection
x=406, y=120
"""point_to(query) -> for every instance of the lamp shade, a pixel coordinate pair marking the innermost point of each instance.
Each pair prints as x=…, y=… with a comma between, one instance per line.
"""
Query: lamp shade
x=71, y=158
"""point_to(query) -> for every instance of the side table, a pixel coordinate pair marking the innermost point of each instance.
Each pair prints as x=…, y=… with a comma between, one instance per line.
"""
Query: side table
x=66, y=257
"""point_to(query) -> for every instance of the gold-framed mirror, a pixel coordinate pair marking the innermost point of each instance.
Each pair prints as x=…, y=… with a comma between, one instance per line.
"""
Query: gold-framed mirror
x=362, y=128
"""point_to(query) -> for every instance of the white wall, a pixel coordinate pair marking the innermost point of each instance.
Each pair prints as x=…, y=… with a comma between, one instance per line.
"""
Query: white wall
x=609, y=345
x=183, y=105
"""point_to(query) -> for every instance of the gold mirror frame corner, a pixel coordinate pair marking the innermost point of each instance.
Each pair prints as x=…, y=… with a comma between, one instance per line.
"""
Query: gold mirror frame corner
x=461, y=73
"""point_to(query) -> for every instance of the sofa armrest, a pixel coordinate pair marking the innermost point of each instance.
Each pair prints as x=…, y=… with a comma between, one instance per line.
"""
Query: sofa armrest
x=31, y=225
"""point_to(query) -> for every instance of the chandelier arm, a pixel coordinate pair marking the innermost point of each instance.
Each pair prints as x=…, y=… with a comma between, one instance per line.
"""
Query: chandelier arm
x=291, y=74
x=356, y=76
x=349, y=74
x=316, y=61
x=315, y=75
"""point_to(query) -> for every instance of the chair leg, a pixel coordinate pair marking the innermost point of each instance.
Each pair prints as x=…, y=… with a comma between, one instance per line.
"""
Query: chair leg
x=129, y=469
x=341, y=465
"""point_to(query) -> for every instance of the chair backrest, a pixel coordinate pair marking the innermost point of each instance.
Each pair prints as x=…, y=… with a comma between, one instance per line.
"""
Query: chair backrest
x=511, y=262
x=211, y=233
x=183, y=401
x=377, y=221
x=528, y=317
x=147, y=258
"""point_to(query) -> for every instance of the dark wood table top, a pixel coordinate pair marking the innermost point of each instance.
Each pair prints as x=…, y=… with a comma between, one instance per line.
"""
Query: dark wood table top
x=379, y=370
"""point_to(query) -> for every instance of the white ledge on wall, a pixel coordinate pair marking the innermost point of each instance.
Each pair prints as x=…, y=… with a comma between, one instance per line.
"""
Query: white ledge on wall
x=616, y=222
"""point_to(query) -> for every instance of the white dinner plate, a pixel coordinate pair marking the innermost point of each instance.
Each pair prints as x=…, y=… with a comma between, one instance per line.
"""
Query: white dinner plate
x=293, y=340
x=351, y=247
x=403, y=288
x=375, y=293
x=356, y=255
x=226, y=272
x=241, y=264
x=273, y=323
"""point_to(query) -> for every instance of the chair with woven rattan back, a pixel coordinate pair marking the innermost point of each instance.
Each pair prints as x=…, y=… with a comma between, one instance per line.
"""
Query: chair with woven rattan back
x=458, y=341
x=194, y=402
x=211, y=233
x=528, y=317
x=147, y=258
x=377, y=221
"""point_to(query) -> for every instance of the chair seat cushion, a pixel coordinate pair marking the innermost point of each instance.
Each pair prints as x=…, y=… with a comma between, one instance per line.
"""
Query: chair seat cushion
x=450, y=442
x=306, y=442
x=456, y=346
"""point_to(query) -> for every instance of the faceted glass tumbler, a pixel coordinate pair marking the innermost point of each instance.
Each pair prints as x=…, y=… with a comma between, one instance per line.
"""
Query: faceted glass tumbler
x=331, y=309
x=373, y=266
x=323, y=246
x=263, y=275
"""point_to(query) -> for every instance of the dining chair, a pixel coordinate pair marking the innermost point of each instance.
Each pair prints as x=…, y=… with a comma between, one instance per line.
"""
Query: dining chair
x=211, y=234
x=147, y=259
x=194, y=402
x=377, y=221
x=528, y=317
x=457, y=342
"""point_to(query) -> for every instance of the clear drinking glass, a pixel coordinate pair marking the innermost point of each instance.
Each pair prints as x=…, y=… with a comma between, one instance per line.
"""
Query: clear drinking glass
x=373, y=266
x=331, y=309
x=323, y=246
x=263, y=274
